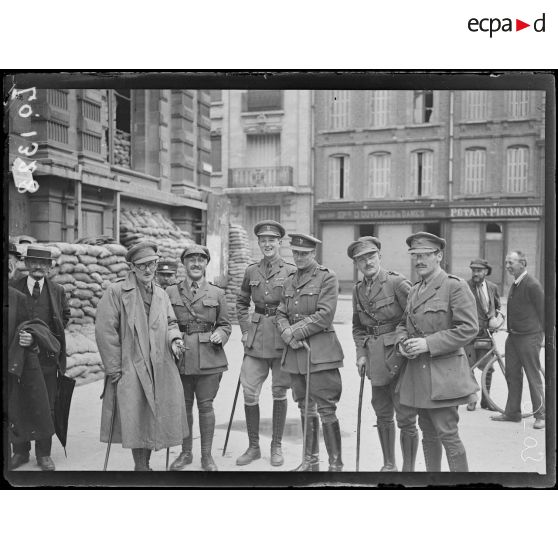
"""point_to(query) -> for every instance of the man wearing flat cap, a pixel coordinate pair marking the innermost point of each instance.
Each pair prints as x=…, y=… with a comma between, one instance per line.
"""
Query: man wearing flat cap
x=306, y=312
x=263, y=346
x=379, y=301
x=439, y=321
x=46, y=301
x=166, y=273
x=201, y=309
x=488, y=305
x=138, y=341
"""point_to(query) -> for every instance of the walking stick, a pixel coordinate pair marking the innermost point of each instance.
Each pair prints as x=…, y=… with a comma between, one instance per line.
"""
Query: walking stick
x=232, y=415
x=306, y=398
x=112, y=418
x=359, y=419
x=167, y=462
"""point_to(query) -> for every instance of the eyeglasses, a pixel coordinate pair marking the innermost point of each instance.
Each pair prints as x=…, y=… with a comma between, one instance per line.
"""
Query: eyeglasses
x=148, y=265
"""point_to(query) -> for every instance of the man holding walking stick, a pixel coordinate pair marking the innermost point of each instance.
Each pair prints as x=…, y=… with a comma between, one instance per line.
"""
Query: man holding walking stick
x=305, y=315
x=263, y=346
x=379, y=301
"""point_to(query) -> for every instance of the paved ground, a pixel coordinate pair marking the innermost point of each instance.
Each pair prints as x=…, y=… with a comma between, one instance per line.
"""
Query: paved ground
x=497, y=447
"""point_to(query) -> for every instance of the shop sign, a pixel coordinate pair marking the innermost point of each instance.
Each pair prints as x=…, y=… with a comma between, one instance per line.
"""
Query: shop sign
x=495, y=212
x=377, y=214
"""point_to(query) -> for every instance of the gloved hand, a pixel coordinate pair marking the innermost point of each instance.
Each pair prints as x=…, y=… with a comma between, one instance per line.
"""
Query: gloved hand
x=177, y=348
x=294, y=344
x=114, y=377
x=287, y=335
x=362, y=364
x=218, y=337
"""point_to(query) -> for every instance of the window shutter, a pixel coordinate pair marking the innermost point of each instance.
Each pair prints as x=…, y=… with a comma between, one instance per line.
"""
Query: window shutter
x=346, y=177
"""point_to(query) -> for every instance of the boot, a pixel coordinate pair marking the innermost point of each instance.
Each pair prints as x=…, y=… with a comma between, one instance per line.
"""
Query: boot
x=484, y=402
x=386, y=432
x=147, y=458
x=432, y=455
x=409, y=447
x=141, y=462
x=311, y=461
x=279, y=418
x=253, y=426
x=458, y=462
x=186, y=457
x=332, y=438
x=207, y=428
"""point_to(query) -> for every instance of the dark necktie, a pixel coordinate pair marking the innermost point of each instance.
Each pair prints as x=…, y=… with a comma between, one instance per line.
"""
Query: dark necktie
x=194, y=287
x=483, y=299
x=36, y=290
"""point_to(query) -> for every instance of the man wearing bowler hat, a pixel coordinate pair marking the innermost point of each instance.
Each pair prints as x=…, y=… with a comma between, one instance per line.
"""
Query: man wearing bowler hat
x=379, y=301
x=306, y=312
x=488, y=305
x=46, y=301
x=166, y=273
x=201, y=310
x=263, y=346
x=439, y=321
x=138, y=341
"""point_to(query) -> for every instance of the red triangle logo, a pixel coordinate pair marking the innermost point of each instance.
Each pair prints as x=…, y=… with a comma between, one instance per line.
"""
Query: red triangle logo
x=519, y=25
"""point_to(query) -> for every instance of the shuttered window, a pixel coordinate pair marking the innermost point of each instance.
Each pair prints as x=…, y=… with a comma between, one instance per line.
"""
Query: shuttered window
x=518, y=104
x=338, y=177
x=516, y=169
x=379, y=175
x=338, y=109
x=475, y=171
x=378, y=108
x=263, y=150
x=476, y=105
x=422, y=168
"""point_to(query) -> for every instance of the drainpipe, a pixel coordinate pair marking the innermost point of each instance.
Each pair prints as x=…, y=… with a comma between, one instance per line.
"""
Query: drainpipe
x=78, y=225
x=450, y=169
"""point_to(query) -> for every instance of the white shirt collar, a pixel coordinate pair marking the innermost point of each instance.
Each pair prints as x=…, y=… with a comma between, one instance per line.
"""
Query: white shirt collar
x=31, y=284
x=520, y=278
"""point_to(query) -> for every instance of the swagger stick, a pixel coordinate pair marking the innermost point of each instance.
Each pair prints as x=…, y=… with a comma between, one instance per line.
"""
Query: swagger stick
x=112, y=419
x=232, y=415
x=359, y=419
x=306, y=398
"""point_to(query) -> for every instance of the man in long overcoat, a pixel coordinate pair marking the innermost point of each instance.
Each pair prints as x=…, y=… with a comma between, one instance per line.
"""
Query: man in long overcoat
x=46, y=301
x=306, y=314
x=138, y=341
x=202, y=313
x=439, y=321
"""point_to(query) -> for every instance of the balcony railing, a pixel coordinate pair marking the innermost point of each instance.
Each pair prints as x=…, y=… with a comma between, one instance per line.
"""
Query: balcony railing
x=260, y=177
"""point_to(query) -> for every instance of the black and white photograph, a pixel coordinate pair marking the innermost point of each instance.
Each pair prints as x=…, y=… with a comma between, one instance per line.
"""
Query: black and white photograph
x=283, y=280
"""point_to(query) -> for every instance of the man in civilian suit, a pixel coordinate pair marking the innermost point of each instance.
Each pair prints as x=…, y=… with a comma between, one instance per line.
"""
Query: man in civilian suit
x=47, y=301
x=523, y=345
x=488, y=304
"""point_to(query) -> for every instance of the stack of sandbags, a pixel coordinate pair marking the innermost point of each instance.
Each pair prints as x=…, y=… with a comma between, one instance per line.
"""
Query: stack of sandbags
x=239, y=259
x=99, y=240
x=122, y=146
x=137, y=225
x=83, y=359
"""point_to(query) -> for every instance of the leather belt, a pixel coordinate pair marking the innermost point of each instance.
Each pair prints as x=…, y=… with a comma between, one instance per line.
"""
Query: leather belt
x=195, y=327
x=266, y=310
x=380, y=329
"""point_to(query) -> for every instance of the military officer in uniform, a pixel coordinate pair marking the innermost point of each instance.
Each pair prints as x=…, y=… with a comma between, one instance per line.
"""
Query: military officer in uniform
x=306, y=312
x=439, y=321
x=166, y=273
x=379, y=301
x=263, y=346
x=201, y=311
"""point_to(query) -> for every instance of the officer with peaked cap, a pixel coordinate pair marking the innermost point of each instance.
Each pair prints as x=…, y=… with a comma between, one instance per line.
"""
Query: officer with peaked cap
x=263, y=346
x=306, y=312
x=138, y=341
x=202, y=313
x=166, y=273
x=379, y=301
x=439, y=321
x=487, y=300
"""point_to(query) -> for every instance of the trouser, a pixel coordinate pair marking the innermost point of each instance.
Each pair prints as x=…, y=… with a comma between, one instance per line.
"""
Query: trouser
x=385, y=402
x=44, y=445
x=439, y=428
x=254, y=372
x=203, y=388
x=324, y=393
x=477, y=355
x=522, y=352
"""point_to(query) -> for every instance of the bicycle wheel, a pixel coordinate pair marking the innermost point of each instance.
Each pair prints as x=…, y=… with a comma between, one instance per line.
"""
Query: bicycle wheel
x=496, y=390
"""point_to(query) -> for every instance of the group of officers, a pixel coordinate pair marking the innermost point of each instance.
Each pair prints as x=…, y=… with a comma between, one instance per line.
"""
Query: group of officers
x=162, y=347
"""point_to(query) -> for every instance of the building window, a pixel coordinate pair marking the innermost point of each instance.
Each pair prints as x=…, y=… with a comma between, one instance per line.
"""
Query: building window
x=338, y=109
x=261, y=100
x=216, y=95
x=475, y=171
x=121, y=148
x=516, y=169
x=338, y=167
x=423, y=106
x=476, y=105
x=379, y=175
x=92, y=223
x=216, y=153
x=263, y=150
x=518, y=104
x=378, y=108
x=422, y=173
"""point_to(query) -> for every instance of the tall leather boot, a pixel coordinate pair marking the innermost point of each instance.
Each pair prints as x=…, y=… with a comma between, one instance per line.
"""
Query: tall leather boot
x=386, y=432
x=186, y=457
x=147, y=457
x=432, y=455
x=278, y=426
x=253, y=426
x=140, y=461
x=458, y=462
x=484, y=402
x=409, y=448
x=311, y=460
x=332, y=438
x=207, y=429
